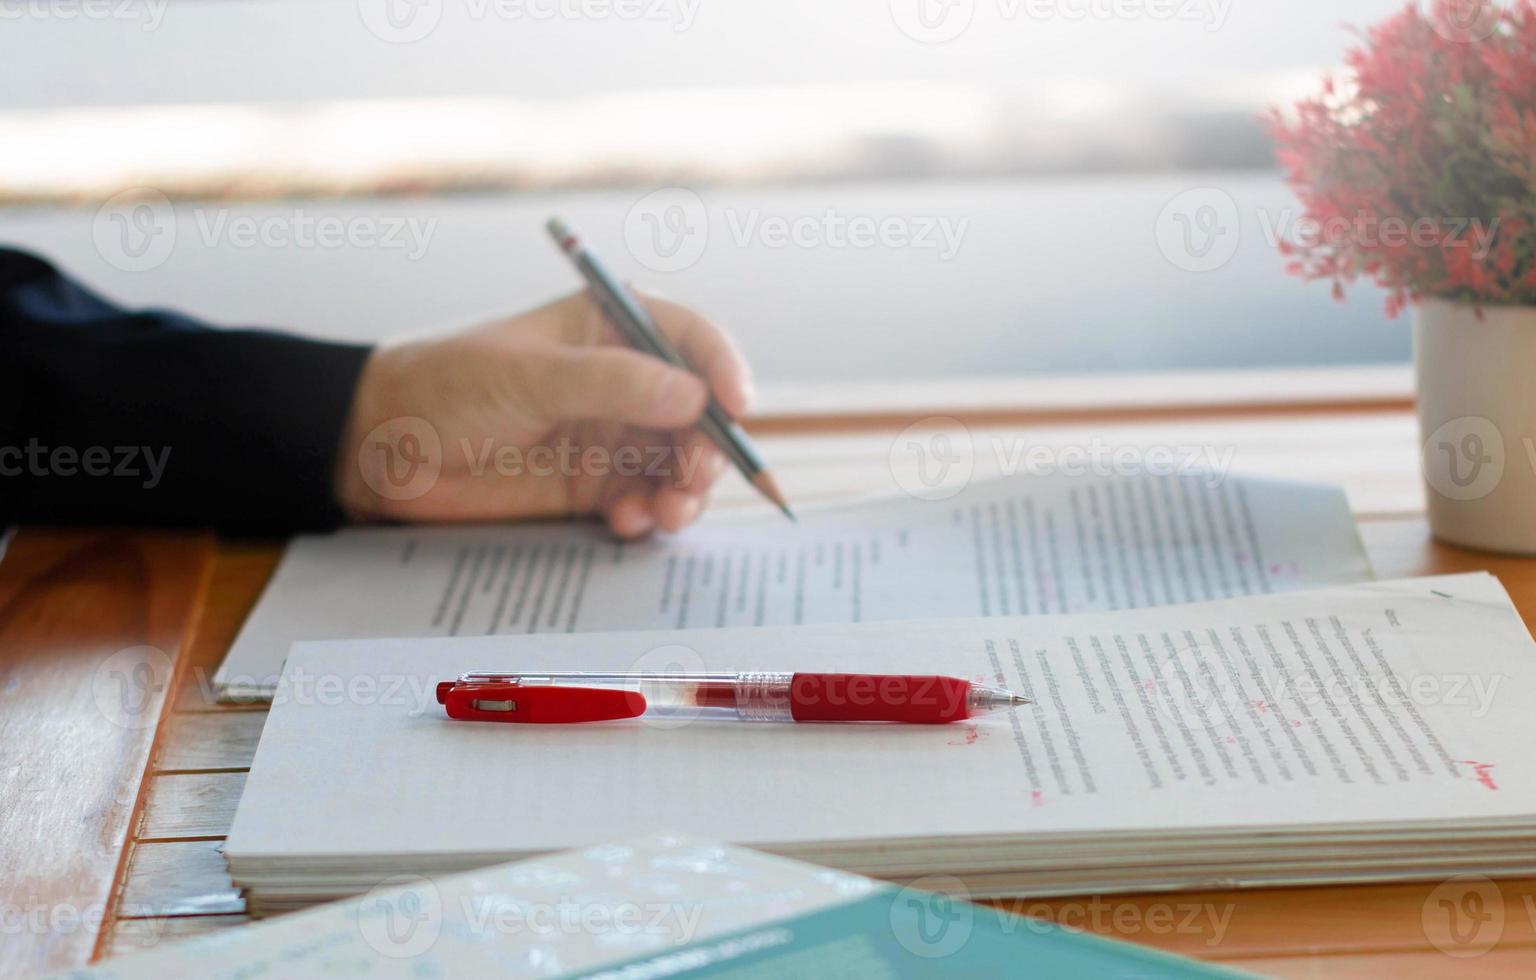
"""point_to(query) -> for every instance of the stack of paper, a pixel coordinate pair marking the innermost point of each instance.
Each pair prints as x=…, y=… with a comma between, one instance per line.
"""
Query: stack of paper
x=1363, y=733
x=1042, y=544
x=661, y=907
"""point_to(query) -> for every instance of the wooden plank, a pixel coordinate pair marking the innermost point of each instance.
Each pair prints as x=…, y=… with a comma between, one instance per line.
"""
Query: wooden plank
x=91, y=625
x=1513, y=963
x=190, y=805
x=1280, y=921
x=167, y=878
x=846, y=404
x=136, y=935
x=239, y=572
x=199, y=741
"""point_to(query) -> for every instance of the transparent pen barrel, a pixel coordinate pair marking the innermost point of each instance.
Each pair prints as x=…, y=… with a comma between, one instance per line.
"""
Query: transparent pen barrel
x=740, y=697
x=763, y=697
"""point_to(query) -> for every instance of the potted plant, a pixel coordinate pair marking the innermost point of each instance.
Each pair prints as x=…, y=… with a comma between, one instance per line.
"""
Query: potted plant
x=1418, y=170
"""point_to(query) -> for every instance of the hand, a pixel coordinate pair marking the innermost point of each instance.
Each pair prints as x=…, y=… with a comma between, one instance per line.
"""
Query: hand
x=545, y=414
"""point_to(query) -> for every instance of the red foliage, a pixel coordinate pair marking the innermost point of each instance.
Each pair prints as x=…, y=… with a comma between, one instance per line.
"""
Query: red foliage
x=1419, y=170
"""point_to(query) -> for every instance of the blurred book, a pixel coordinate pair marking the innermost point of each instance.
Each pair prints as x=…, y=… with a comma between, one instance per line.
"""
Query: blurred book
x=661, y=907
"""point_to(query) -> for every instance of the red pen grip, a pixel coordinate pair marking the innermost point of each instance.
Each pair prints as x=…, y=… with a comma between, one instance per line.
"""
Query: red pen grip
x=913, y=700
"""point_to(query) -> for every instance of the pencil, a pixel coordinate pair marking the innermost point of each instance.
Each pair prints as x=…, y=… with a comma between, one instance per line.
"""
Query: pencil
x=636, y=326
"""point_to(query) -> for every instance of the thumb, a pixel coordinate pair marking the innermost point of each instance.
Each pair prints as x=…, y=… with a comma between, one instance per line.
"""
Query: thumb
x=613, y=384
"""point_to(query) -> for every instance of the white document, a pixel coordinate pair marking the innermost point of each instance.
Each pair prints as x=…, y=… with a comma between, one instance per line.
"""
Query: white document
x=1014, y=547
x=1266, y=739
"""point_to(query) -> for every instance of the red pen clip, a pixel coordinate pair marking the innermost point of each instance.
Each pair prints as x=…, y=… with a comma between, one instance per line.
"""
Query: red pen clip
x=537, y=704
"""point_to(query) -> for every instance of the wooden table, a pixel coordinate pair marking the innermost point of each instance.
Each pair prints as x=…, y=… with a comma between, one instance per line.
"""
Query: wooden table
x=119, y=775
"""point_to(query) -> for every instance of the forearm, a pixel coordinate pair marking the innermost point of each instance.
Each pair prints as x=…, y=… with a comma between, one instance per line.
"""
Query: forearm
x=109, y=416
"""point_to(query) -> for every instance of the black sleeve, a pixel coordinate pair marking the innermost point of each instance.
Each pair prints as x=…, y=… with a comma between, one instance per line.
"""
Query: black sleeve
x=110, y=416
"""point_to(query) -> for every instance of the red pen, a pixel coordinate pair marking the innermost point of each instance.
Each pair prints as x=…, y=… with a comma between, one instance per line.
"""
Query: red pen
x=565, y=697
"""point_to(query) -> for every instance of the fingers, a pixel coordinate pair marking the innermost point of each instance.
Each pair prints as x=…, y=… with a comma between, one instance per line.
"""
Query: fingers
x=678, y=497
x=675, y=509
x=638, y=513
x=671, y=495
x=614, y=384
x=630, y=516
x=709, y=350
x=699, y=463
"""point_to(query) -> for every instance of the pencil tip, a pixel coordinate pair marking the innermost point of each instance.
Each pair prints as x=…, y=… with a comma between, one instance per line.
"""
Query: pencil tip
x=769, y=488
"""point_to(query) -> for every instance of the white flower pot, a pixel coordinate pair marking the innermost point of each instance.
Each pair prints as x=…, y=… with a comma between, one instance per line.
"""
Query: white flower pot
x=1477, y=419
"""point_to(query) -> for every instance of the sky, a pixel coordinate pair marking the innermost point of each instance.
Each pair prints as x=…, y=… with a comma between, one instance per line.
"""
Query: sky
x=317, y=97
x=131, y=52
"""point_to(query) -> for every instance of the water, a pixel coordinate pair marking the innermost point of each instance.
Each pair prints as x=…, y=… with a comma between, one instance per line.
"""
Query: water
x=1035, y=276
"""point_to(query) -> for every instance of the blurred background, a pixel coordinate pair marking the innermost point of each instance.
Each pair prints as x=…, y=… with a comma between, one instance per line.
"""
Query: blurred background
x=859, y=189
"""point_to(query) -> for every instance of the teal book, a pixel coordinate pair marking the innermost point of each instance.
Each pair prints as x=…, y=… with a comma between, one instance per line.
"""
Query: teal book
x=664, y=907
x=891, y=932
x=908, y=933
